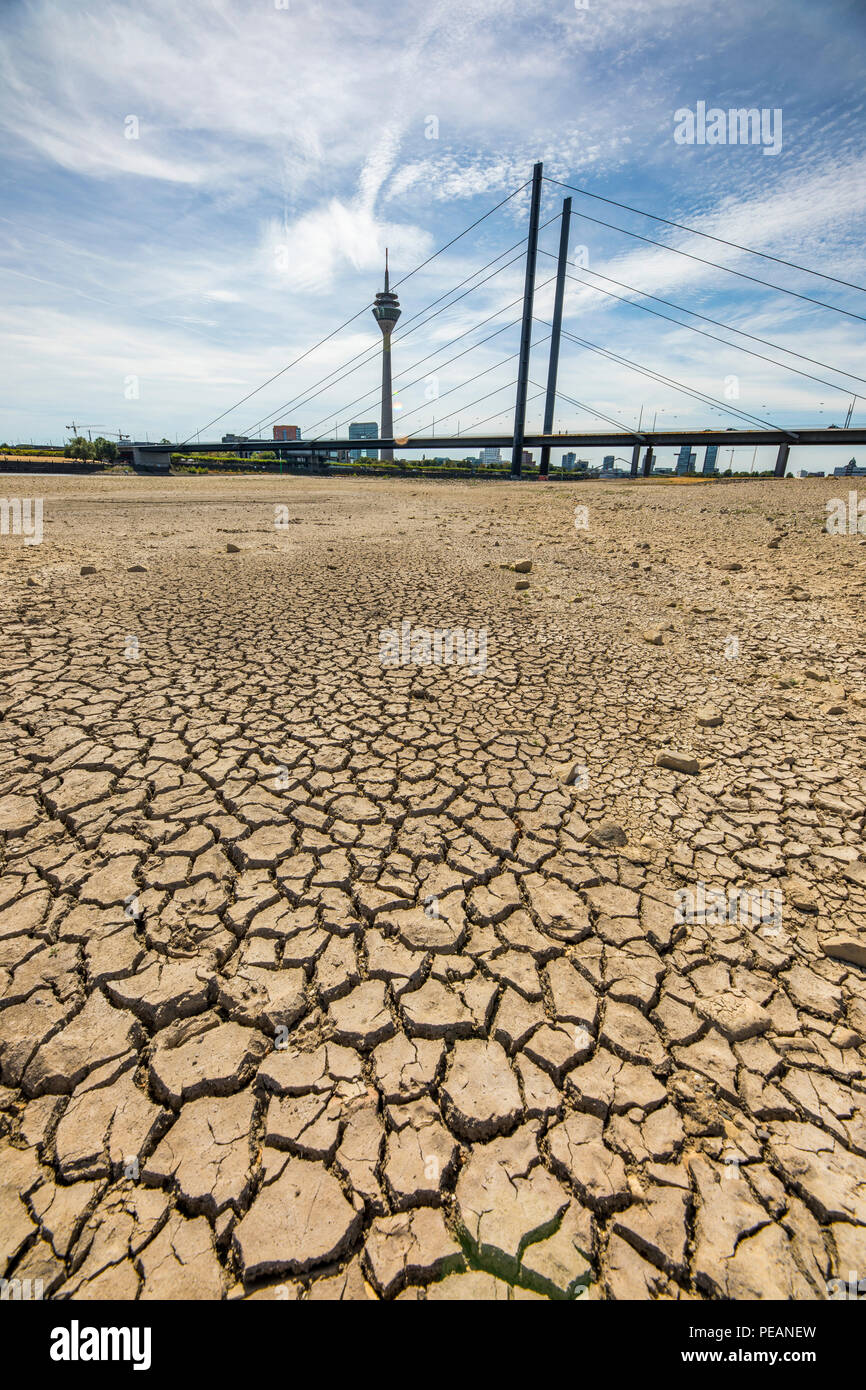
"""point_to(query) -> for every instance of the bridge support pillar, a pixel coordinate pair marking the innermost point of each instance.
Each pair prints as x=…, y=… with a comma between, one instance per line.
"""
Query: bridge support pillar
x=526, y=329
x=782, y=459
x=151, y=460
x=635, y=460
x=553, y=364
x=649, y=460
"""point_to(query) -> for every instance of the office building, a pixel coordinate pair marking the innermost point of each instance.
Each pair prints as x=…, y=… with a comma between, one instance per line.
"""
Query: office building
x=489, y=458
x=363, y=429
x=284, y=433
x=685, y=459
x=710, y=456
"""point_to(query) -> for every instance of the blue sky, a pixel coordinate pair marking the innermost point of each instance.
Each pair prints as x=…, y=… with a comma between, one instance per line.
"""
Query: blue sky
x=148, y=283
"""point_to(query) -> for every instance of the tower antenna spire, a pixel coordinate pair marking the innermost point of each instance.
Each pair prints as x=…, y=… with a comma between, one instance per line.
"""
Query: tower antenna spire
x=386, y=270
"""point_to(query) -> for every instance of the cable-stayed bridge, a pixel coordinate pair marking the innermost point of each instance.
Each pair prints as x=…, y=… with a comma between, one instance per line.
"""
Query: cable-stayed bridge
x=506, y=428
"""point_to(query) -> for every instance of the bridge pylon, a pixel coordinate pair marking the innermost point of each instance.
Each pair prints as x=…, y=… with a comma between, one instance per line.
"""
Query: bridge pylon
x=526, y=328
x=553, y=363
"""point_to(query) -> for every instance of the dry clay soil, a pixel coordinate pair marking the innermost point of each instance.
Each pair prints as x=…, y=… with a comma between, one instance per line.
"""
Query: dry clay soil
x=321, y=978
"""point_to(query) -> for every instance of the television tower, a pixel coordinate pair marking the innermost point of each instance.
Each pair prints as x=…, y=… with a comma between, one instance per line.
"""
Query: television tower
x=386, y=312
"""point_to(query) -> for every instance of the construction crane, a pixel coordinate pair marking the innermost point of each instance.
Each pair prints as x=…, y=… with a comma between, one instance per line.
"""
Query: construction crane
x=106, y=434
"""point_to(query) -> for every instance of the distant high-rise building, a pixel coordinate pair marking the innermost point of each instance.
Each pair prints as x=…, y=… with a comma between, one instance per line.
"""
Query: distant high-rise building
x=568, y=462
x=527, y=459
x=488, y=457
x=685, y=459
x=284, y=433
x=710, y=458
x=607, y=463
x=363, y=429
x=386, y=311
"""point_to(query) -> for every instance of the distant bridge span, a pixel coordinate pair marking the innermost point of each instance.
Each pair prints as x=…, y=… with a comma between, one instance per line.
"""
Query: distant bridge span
x=158, y=455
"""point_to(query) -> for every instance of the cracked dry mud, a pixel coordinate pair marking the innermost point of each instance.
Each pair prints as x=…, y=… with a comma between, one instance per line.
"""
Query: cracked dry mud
x=326, y=980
